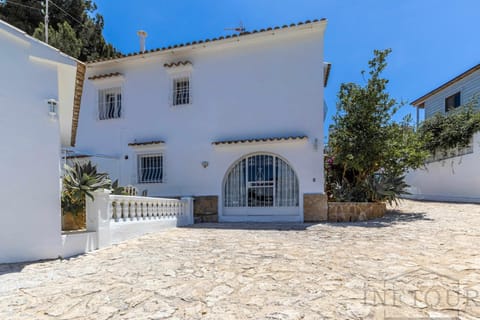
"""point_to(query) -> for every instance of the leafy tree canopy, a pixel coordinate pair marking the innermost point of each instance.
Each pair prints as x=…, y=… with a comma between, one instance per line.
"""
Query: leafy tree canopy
x=74, y=25
x=367, y=147
x=62, y=38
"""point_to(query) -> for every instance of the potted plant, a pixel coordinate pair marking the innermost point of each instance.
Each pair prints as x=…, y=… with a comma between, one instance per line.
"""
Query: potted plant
x=80, y=181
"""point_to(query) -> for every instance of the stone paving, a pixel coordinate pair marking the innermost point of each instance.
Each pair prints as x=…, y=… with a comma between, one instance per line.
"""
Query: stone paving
x=420, y=261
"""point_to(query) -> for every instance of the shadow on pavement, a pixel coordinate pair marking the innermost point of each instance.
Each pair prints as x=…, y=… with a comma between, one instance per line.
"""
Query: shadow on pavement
x=391, y=217
x=17, y=266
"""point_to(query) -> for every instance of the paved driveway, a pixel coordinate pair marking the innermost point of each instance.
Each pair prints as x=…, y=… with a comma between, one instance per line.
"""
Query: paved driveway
x=420, y=261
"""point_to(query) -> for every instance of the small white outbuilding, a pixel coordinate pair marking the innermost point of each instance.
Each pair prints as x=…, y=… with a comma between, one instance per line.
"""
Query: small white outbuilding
x=40, y=91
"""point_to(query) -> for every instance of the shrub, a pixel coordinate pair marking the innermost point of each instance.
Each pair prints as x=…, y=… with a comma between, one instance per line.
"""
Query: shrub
x=454, y=129
x=367, y=148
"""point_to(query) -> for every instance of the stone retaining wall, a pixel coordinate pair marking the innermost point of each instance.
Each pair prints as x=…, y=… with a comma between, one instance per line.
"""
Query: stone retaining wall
x=315, y=208
x=355, y=211
x=205, y=209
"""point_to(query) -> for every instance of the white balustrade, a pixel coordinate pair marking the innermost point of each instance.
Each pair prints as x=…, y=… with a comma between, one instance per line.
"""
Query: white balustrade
x=116, y=217
x=135, y=208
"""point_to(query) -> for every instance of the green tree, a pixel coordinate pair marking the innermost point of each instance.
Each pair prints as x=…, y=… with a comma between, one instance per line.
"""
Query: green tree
x=81, y=15
x=62, y=38
x=25, y=16
x=367, y=147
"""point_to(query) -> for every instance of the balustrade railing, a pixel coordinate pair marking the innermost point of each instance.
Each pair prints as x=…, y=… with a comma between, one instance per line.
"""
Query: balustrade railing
x=119, y=217
x=132, y=208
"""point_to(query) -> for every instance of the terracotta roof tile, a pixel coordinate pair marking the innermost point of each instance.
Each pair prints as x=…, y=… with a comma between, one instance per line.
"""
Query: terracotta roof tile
x=177, y=64
x=79, y=79
x=146, y=143
x=257, y=140
x=208, y=40
x=103, y=76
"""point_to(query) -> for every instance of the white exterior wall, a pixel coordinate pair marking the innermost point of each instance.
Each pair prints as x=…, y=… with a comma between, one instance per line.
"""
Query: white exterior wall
x=454, y=179
x=468, y=87
x=29, y=149
x=269, y=86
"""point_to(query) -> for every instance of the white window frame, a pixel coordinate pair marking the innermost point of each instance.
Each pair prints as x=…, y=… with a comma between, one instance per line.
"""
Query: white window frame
x=177, y=95
x=102, y=92
x=139, y=157
x=176, y=74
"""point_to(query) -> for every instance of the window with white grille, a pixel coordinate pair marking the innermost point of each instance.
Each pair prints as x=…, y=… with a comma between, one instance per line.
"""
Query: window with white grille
x=110, y=103
x=150, y=168
x=181, y=91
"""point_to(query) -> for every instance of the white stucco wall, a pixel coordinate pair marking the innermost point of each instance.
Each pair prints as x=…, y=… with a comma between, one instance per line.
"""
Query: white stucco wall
x=269, y=86
x=454, y=179
x=29, y=150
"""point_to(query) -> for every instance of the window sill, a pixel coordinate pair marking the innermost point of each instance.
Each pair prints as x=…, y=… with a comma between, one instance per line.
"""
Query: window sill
x=173, y=106
x=150, y=183
x=110, y=120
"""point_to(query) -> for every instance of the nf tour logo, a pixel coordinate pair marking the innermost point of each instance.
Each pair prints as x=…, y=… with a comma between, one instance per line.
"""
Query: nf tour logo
x=422, y=294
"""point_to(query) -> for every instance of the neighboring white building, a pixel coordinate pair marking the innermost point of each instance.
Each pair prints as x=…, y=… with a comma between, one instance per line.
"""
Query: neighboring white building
x=37, y=96
x=236, y=121
x=456, y=176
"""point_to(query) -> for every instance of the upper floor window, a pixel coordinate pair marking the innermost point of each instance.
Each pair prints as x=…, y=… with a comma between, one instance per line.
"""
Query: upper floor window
x=110, y=103
x=452, y=102
x=150, y=168
x=181, y=91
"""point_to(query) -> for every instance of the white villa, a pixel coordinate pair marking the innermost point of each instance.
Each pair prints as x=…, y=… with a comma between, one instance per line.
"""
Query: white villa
x=40, y=99
x=235, y=121
x=456, y=176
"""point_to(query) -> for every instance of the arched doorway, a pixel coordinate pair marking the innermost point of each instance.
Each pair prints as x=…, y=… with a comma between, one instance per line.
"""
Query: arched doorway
x=261, y=184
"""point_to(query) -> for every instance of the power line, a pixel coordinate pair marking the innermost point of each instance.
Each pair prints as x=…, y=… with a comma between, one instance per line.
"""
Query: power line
x=21, y=5
x=56, y=5
x=63, y=10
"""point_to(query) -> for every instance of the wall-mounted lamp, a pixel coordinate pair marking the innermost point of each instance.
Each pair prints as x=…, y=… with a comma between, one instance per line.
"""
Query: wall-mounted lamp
x=52, y=108
x=204, y=164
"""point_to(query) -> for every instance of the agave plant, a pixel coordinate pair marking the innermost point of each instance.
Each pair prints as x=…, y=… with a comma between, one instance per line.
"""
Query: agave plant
x=79, y=181
x=384, y=187
x=118, y=190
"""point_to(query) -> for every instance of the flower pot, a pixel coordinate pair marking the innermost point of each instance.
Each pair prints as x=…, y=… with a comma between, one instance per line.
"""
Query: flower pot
x=72, y=221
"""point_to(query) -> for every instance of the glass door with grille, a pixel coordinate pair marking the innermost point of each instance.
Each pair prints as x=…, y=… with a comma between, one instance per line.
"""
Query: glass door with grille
x=261, y=184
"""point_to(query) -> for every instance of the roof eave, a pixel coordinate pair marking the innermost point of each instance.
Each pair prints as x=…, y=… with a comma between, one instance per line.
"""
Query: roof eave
x=420, y=101
x=316, y=24
x=79, y=79
x=326, y=76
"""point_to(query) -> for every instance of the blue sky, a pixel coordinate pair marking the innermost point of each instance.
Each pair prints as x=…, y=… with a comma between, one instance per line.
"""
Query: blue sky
x=432, y=40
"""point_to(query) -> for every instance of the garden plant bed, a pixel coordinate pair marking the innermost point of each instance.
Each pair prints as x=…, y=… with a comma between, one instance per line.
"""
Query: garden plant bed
x=355, y=211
